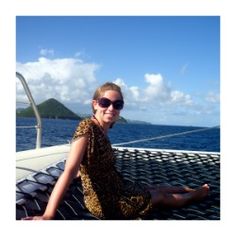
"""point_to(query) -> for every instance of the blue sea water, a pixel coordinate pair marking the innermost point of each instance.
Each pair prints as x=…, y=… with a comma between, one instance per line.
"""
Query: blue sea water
x=59, y=131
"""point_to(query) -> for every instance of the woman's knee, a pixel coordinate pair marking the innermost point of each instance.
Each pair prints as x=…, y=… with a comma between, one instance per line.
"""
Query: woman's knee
x=157, y=197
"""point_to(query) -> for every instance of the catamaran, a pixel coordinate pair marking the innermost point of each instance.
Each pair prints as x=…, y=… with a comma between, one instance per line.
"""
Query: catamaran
x=37, y=171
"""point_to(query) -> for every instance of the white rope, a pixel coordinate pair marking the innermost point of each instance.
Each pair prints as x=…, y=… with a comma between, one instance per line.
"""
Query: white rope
x=26, y=127
x=164, y=136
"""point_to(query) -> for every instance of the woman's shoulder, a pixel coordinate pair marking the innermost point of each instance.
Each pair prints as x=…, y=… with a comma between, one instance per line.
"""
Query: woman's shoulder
x=87, y=122
x=83, y=128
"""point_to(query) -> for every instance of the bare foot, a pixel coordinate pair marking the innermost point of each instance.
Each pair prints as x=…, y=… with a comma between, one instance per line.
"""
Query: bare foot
x=200, y=193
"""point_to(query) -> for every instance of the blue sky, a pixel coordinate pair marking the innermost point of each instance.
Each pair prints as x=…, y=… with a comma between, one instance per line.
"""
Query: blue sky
x=168, y=67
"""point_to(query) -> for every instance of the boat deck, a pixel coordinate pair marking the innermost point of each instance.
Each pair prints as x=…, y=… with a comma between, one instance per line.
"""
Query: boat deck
x=150, y=167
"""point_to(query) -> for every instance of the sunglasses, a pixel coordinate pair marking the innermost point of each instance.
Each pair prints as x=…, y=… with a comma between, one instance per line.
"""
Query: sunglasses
x=105, y=102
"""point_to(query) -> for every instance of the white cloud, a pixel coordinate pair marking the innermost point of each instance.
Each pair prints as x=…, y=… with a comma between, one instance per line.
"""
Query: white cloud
x=66, y=79
x=157, y=88
x=156, y=92
x=184, y=69
x=46, y=52
x=132, y=95
x=135, y=91
x=213, y=97
x=180, y=98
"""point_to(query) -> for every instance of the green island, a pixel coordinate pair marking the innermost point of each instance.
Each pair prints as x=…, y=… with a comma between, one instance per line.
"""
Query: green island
x=51, y=109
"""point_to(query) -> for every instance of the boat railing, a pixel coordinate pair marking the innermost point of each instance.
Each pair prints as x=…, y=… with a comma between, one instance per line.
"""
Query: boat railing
x=38, y=126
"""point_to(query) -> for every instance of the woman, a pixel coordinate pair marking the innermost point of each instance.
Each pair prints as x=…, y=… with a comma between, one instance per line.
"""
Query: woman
x=106, y=194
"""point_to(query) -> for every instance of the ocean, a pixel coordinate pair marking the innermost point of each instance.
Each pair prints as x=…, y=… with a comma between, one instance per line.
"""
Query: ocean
x=57, y=131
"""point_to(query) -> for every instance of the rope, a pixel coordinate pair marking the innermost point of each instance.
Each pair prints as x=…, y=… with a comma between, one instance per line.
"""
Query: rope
x=165, y=136
x=27, y=127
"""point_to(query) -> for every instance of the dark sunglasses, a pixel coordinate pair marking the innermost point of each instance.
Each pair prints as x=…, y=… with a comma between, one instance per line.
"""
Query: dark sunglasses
x=105, y=102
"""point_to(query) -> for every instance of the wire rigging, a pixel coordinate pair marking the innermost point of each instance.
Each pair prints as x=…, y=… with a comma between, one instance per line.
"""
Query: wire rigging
x=165, y=136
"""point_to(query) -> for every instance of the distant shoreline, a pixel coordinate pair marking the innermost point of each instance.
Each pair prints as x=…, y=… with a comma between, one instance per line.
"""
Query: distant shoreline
x=122, y=121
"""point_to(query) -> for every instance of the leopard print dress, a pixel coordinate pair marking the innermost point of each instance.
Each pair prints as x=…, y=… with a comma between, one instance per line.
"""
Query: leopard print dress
x=106, y=194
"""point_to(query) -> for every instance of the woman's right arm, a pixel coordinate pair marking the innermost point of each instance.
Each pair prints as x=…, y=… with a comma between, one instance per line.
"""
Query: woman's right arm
x=73, y=161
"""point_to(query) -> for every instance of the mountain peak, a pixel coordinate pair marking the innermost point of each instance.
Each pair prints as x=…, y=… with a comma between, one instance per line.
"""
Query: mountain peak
x=50, y=108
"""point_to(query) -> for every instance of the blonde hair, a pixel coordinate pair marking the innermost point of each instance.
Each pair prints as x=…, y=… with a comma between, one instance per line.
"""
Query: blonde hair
x=103, y=88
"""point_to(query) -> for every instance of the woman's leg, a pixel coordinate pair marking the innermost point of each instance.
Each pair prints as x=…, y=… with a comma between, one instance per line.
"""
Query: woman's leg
x=167, y=198
x=171, y=189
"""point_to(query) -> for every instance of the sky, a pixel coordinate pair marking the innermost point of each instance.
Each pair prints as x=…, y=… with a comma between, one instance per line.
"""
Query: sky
x=167, y=66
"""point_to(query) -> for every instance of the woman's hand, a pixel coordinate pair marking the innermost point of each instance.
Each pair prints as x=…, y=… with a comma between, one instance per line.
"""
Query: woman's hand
x=36, y=218
x=71, y=170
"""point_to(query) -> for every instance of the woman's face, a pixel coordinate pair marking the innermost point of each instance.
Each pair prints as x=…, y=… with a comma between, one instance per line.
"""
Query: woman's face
x=108, y=114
